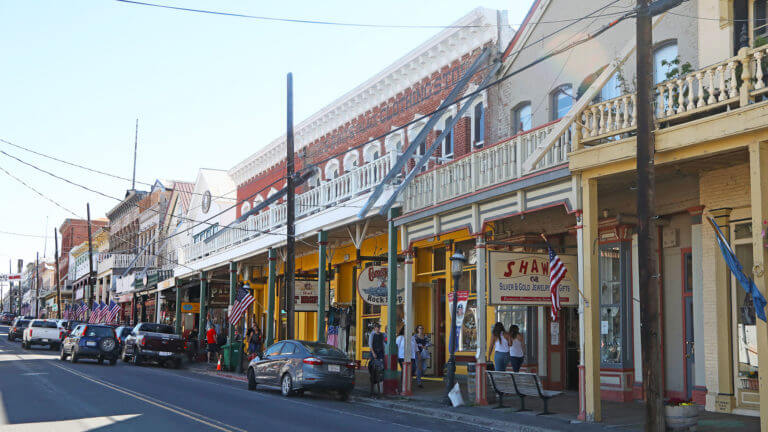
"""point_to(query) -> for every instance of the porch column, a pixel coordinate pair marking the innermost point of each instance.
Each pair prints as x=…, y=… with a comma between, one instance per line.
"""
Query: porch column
x=390, y=374
x=482, y=325
x=409, y=316
x=591, y=289
x=580, y=264
x=178, y=307
x=232, y=294
x=758, y=173
x=322, y=241
x=721, y=395
x=158, y=305
x=203, y=311
x=270, y=330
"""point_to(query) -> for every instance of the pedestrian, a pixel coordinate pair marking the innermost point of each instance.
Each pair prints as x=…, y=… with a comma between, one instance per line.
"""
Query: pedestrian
x=210, y=338
x=254, y=341
x=516, y=348
x=400, y=342
x=420, y=342
x=500, y=342
x=376, y=342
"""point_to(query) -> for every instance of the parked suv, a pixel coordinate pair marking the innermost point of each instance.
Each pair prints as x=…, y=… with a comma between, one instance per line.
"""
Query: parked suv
x=96, y=341
x=7, y=317
x=153, y=342
x=42, y=332
x=17, y=328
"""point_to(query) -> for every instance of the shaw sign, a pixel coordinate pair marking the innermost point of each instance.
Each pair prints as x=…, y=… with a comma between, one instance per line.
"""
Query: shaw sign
x=523, y=279
x=372, y=285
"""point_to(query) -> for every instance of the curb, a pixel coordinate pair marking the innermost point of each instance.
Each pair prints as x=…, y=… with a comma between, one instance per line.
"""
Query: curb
x=231, y=377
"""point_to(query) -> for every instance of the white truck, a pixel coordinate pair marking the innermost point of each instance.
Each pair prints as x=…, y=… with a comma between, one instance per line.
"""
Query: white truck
x=42, y=332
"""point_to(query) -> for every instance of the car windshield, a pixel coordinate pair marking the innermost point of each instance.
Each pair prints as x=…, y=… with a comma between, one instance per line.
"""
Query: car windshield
x=321, y=349
x=94, y=331
x=22, y=323
x=157, y=328
x=43, y=324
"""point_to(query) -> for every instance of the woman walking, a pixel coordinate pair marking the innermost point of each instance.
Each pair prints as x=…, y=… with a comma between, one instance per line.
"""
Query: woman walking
x=254, y=342
x=500, y=342
x=516, y=348
x=421, y=343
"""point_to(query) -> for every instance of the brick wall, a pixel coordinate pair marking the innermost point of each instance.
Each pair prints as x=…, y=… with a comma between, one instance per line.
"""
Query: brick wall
x=462, y=137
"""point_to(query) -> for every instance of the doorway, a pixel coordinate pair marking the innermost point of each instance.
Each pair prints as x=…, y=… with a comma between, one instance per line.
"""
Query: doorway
x=688, y=320
x=438, y=325
x=572, y=348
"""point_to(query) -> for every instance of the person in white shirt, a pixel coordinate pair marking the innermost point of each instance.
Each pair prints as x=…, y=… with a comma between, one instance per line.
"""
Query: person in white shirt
x=419, y=344
x=516, y=348
x=500, y=343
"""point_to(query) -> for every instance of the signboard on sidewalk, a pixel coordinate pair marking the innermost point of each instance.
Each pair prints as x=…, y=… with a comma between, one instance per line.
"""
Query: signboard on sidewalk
x=518, y=278
x=372, y=285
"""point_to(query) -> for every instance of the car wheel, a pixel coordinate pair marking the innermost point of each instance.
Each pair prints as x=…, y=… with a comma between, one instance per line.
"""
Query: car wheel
x=63, y=355
x=124, y=357
x=342, y=395
x=73, y=356
x=251, y=379
x=112, y=362
x=286, y=385
x=135, y=360
x=52, y=347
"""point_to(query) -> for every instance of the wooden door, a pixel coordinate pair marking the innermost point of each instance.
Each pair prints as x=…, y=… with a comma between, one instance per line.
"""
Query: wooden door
x=555, y=351
x=439, y=327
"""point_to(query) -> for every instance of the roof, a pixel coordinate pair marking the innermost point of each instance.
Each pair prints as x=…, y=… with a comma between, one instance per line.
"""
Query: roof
x=184, y=190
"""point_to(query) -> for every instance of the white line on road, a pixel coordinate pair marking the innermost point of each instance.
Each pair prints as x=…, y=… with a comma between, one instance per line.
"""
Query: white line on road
x=168, y=407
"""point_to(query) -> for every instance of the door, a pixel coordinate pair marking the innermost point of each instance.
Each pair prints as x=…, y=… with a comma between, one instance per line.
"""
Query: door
x=439, y=326
x=572, y=349
x=688, y=347
x=555, y=351
x=263, y=371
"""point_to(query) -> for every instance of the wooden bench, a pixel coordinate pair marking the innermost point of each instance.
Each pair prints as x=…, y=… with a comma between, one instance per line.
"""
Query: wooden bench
x=522, y=384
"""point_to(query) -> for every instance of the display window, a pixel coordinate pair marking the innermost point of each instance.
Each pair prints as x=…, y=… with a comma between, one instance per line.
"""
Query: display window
x=745, y=323
x=615, y=294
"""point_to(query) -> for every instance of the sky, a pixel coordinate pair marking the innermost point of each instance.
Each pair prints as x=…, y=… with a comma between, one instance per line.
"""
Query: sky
x=208, y=90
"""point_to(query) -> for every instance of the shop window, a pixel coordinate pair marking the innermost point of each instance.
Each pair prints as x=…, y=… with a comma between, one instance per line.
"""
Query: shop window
x=521, y=118
x=368, y=328
x=560, y=101
x=468, y=333
x=614, y=275
x=438, y=259
x=524, y=317
x=746, y=324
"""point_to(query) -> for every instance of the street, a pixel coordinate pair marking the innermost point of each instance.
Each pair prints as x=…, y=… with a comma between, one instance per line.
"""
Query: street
x=39, y=392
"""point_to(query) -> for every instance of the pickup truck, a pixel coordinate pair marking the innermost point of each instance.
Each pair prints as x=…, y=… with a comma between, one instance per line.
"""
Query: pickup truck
x=42, y=332
x=150, y=342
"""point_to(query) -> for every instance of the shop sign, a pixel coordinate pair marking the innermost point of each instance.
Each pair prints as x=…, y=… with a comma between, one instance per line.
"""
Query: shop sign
x=461, y=306
x=517, y=278
x=190, y=307
x=373, y=288
x=168, y=283
x=78, y=294
x=306, y=296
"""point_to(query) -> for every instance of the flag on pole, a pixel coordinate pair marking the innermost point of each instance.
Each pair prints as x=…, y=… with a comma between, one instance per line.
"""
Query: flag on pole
x=557, y=272
x=94, y=313
x=80, y=316
x=114, y=308
x=242, y=301
x=738, y=271
x=101, y=312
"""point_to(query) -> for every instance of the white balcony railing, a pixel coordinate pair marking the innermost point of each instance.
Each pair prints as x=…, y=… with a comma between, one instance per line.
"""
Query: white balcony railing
x=107, y=261
x=356, y=182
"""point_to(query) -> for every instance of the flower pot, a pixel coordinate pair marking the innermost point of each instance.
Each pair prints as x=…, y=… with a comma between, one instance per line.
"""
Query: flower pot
x=682, y=417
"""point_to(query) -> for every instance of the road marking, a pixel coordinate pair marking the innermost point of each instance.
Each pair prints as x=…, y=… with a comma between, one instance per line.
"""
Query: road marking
x=176, y=410
x=70, y=425
x=35, y=373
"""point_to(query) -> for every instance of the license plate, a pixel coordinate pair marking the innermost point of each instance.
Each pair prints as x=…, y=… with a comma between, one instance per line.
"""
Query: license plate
x=334, y=368
x=90, y=343
x=165, y=353
x=45, y=340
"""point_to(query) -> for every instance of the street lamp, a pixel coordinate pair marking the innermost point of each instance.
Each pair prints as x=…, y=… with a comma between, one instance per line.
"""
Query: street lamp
x=457, y=266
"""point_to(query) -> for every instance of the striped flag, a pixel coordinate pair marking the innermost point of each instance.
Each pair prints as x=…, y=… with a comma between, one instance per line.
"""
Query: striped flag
x=81, y=311
x=557, y=272
x=242, y=301
x=102, y=312
x=94, y=313
x=114, y=308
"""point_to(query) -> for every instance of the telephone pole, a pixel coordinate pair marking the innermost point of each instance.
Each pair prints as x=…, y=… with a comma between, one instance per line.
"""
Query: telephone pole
x=37, y=285
x=20, y=267
x=90, y=260
x=646, y=192
x=56, y=272
x=290, y=230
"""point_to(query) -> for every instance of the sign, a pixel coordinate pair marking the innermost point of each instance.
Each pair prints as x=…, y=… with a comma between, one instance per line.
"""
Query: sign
x=306, y=296
x=517, y=278
x=55, y=307
x=372, y=285
x=5, y=277
x=554, y=333
x=168, y=283
x=192, y=307
x=461, y=306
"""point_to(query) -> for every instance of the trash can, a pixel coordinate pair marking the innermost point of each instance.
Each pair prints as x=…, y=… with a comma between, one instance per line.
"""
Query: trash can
x=231, y=354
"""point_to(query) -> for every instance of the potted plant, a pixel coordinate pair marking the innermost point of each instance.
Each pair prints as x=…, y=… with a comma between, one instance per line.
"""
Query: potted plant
x=681, y=414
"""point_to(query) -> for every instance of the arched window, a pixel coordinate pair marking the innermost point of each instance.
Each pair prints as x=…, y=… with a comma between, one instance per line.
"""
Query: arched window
x=560, y=101
x=521, y=118
x=332, y=169
x=663, y=55
x=479, y=126
x=351, y=161
x=245, y=208
x=314, y=179
x=371, y=152
x=448, y=141
x=413, y=132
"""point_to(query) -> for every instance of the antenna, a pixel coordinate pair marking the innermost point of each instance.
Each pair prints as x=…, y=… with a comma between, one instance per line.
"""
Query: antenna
x=135, y=145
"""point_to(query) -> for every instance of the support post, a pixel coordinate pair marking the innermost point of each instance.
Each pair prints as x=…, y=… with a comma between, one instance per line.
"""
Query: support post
x=580, y=256
x=322, y=241
x=290, y=229
x=178, y=308
x=203, y=311
x=270, y=330
x=650, y=328
x=390, y=374
x=758, y=170
x=37, y=285
x=409, y=318
x=482, y=325
x=723, y=391
x=90, y=260
x=232, y=293
x=592, y=407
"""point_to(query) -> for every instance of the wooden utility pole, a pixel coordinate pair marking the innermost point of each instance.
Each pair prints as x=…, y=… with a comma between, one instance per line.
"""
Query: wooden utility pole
x=20, y=267
x=90, y=260
x=646, y=192
x=290, y=231
x=56, y=272
x=135, y=147
x=37, y=285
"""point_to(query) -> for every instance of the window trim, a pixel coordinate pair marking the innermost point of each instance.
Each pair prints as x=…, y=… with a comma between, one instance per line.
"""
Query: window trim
x=516, y=116
x=553, y=96
x=351, y=160
x=332, y=165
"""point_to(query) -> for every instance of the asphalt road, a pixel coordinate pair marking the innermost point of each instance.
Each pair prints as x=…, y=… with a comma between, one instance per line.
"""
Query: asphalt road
x=38, y=392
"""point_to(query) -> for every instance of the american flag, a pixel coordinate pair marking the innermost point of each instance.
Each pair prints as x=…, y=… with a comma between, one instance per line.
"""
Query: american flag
x=114, y=308
x=94, y=313
x=101, y=312
x=242, y=301
x=557, y=272
x=81, y=311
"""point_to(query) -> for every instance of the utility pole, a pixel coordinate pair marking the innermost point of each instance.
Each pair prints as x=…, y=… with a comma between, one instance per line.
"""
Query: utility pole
x=290, y=230
x=56, y=272
x=37, y=285
x=135, y=147
x=646, y=192
x=20, y=267
x=90, y=260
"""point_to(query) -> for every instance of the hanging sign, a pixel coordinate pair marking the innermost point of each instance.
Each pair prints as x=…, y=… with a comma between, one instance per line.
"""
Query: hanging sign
x=461, y=306
x=5, y=277
x=517, y=278
x=372, y=285
x=191, y=307
x=306, y=296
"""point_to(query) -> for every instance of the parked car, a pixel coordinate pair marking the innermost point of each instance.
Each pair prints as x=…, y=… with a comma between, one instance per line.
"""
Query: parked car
x=7, y=317
x=150, y=342
x=42, y=332
x=296, y=366
x=17, y=328
x=122, y=332
x=96, y=341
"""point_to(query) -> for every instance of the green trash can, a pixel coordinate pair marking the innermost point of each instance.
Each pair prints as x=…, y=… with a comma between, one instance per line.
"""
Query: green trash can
x=232, y=354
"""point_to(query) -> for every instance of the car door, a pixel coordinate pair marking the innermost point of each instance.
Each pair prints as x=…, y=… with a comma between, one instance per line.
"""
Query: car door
x=287, y=361
x=264, y=371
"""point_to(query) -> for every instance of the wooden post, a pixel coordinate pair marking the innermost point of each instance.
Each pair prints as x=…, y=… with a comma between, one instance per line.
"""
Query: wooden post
x=270, y=323
x=482, y=325
x=178, y=307
x=390, y=374
x=322, y=241
x=592, y=407
x=203, y=311
x=90, y=261
x=409, y=320
x=232, y=294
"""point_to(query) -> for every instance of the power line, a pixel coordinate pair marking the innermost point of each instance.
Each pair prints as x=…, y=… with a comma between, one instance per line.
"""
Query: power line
x=21, y=234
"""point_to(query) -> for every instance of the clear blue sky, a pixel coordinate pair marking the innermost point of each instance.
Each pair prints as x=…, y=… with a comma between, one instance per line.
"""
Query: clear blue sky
x=208, y=90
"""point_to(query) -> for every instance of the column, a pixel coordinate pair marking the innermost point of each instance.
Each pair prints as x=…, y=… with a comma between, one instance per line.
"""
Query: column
x=158, y=306
x=270, y=330
x=203, y=311
x=390, y=374
x=724, y=391
x=758, y=173
x=591, y=289
x=178, y=307
x=232, y=294
x=409, y=316
x=481, y=319
x=322, y=241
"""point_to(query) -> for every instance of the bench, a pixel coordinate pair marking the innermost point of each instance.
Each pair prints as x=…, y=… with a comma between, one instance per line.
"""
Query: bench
x=522, y=384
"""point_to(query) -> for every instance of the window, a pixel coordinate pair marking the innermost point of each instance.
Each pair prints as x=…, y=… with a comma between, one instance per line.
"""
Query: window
x=663, y=54
x=611, y=89
x=614, y=272
x=245, y=208
x=479, y=124
x=521, y=118
x=561, y=101
x=351, y=161
x=468, y=333
x=760, y=21
x=524, y=317
x=274, y=349
x=371, y=152
x=288, y=349
x=204, y=234
x=332, y=169
x=448, y=141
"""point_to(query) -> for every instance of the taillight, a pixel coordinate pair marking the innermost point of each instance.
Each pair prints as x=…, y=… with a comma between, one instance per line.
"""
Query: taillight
x=143, y=341
x=313, y=361
x=85, y=330
x=61, y=334
x=351, y=365
x=30, y=332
